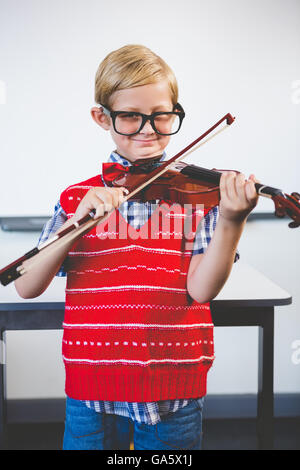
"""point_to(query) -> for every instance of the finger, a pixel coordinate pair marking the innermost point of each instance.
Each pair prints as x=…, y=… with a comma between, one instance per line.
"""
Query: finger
x=122, y=193
x=93, y=203
x=230, y=185
x=105, y=197
x=253, y=178
x=222, y=186
x=250, y=192
x=240, y=183
x=98, y=205
x=114, y=195
x=125, y=191
x=110, y=198
x=118, y=196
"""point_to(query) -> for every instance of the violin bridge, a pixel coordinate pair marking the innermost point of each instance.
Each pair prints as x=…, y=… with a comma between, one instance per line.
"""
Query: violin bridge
x=177, y=166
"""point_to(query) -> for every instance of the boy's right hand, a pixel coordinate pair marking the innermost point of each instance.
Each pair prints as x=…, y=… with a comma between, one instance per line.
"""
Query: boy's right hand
x=101, y=199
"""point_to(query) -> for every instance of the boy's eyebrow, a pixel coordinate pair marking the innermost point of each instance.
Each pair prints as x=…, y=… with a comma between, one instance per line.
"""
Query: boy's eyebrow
x=161, y=107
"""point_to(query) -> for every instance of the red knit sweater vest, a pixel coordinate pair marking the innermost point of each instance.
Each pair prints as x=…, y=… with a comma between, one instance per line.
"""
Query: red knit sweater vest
x=131, y=331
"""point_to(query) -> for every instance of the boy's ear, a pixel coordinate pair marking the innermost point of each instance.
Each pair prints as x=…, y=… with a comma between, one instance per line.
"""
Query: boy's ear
x=100, y=118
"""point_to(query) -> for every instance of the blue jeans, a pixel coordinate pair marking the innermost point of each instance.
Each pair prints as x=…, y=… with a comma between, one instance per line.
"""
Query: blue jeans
x=86, y=429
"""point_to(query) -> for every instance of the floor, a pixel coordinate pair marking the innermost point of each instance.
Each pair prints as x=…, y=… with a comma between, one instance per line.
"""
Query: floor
x=235, y=434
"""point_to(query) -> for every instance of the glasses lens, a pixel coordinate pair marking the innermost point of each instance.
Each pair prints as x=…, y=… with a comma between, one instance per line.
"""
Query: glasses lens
x=167, y=123
x=128, y=123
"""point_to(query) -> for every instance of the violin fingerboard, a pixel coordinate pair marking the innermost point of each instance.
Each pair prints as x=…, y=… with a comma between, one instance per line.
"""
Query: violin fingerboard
x=267, y=191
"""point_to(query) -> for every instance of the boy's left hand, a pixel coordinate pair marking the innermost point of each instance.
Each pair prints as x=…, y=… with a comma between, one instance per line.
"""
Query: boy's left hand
x=238, y=196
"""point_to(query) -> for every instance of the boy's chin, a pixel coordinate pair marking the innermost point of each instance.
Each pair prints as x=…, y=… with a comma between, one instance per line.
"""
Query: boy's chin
x=147, y=152
x=144, y=156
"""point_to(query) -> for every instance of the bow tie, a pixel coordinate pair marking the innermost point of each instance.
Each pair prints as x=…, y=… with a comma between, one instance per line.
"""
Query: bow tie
x=111, y=170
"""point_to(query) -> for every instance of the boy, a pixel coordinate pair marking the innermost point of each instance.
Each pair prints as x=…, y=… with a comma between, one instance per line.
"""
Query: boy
x=138, y=335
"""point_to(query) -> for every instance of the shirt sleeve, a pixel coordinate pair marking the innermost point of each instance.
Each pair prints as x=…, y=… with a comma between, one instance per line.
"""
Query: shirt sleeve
x=51, y=226
x=205, y=230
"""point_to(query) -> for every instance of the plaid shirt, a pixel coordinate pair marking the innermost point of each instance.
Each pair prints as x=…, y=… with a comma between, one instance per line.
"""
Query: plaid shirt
x=136, y=214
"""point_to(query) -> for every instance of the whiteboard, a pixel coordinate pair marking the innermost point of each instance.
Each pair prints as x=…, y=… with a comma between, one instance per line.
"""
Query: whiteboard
x=236, y=56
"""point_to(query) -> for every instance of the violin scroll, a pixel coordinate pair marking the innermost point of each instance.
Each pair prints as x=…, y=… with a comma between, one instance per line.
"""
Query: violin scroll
x=289, y=205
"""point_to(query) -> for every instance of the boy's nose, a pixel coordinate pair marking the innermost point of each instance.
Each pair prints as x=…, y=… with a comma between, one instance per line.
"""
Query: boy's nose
x=147, y=128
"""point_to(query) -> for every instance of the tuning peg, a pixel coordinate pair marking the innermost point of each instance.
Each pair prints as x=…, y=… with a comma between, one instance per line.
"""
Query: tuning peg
x=293, y=225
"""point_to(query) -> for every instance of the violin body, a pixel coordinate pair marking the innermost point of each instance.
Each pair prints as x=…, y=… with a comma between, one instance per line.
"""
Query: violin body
x=173, y=186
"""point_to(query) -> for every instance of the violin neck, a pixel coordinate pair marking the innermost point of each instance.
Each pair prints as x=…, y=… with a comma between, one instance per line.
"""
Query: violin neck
x=214, y=176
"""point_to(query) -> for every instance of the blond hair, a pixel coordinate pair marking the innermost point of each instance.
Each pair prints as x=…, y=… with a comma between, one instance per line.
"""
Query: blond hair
x=131, y=66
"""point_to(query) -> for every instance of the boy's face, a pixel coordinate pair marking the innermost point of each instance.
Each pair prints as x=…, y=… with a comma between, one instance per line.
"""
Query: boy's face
x=145, y=99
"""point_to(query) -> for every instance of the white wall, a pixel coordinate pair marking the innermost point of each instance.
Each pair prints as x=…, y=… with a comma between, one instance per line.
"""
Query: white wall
x=236, y=56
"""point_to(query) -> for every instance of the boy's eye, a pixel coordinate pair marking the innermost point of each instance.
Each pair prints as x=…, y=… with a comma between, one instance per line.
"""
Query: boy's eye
x=163, y=117
x=129, y=116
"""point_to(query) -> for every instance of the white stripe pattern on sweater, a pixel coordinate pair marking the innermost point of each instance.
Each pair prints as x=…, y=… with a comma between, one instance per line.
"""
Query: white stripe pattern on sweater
x=172, y=215
x=130, y=248
x=88, y=290
x=124, y=266
x=139, y=306
x=79, y=186
x=134, y=343
x=137, y=325
x=138, y=362
x=156, y=233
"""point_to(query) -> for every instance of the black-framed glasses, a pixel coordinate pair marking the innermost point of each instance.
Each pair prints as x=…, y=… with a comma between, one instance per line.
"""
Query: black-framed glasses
x=132, y=122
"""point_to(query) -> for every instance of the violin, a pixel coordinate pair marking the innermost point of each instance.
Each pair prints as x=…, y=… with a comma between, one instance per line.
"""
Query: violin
x=191, y=184
x=171, y=181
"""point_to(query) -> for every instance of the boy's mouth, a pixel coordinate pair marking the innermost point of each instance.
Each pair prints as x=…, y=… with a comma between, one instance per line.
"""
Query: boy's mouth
x=145, y=140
